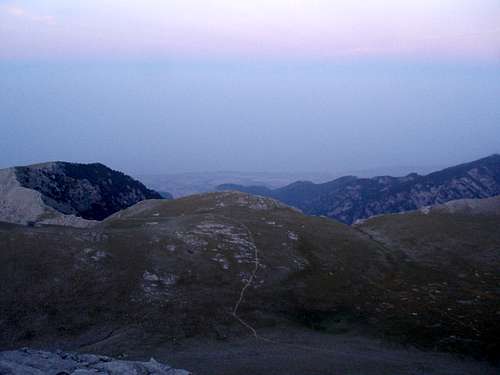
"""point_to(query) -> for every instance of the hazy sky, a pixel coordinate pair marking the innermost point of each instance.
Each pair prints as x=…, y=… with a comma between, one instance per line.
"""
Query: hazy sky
x=266, y=85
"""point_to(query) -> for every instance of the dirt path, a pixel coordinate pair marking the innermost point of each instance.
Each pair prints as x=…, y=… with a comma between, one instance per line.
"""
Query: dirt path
x=249, y=282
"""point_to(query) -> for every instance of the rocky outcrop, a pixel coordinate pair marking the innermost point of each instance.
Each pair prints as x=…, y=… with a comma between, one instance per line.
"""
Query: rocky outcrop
x=349, y=198
x=36, y=362
x=22, y=205
x=69, y=194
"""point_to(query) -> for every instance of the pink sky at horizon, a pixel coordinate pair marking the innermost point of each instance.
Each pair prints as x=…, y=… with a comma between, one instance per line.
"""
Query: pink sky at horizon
x=312, y=29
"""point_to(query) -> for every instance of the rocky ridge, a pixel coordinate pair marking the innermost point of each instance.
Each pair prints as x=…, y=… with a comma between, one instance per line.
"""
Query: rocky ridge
x=71, y=194
x=349, y=198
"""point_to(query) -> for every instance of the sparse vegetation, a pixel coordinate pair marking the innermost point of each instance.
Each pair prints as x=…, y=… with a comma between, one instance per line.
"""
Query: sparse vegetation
x=176, y=269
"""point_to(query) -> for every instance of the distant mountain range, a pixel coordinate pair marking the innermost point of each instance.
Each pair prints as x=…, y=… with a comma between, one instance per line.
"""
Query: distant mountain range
x=184, y=184
x=350, y=198
x=66, y=193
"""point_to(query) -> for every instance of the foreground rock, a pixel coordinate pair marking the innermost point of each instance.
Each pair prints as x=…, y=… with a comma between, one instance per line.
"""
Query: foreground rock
x=36, y=362
x=66, y=194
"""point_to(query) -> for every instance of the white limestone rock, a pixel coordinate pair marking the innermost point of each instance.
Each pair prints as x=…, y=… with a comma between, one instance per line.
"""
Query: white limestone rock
x=37, y=362
x=20, y=205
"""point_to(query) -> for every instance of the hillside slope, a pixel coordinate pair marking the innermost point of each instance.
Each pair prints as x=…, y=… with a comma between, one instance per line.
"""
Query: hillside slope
x=186, y=267
x=486, y=206
x=224, y=264
x=66, y=193
x=350, y=198
x=449, y=260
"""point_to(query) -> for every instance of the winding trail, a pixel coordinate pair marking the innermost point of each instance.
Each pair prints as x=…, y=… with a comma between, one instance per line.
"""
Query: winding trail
x=249, y=282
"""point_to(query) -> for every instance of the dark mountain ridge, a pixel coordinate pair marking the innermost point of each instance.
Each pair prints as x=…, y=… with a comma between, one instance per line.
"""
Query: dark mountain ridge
x=37, y=192
x=350, y=198
x=91, y=191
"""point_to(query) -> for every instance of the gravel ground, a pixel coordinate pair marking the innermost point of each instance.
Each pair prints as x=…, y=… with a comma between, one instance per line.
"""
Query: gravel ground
x=304, y=352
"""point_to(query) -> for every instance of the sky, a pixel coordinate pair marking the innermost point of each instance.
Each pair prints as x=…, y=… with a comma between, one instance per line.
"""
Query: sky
x=168, y=86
